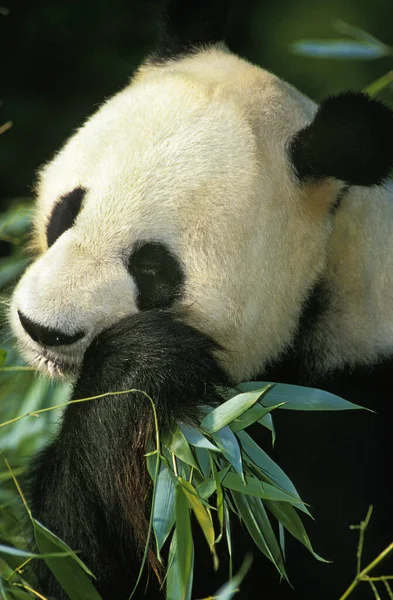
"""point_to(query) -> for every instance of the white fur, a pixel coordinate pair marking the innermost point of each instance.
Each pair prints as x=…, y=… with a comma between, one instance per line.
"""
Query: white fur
x=192, y=153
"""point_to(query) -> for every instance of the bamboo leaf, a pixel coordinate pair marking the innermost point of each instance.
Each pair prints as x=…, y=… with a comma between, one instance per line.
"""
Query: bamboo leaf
x=259, y=512
x=70, y=572
x=184, y=540
x=297, y=397
x=196, y=438
x=253, y=527
x=229, y=446
x=256, y=413
x=177, y=443
x=273, y=473
x=340, y=49
x=164, y=507
x=257, y=488
x=203, y=457
x=26, y=554
x=174, y=589
x=286, y=514
x=203, y=516
x=230, y=410
x=206, y=488
x=227, y=591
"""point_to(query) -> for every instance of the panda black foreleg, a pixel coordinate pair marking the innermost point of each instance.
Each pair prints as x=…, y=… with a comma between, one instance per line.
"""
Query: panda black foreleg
x=90, y=486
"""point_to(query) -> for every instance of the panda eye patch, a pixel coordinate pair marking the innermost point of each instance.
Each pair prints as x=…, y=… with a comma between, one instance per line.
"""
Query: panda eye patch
x=157, y=274
x=64, y=214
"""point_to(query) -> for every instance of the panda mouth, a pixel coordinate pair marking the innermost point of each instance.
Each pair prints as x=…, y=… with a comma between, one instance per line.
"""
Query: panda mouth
x=55, y=366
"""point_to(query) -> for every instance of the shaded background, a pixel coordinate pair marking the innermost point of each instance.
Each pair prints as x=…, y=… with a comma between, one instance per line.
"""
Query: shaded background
x=60, y=59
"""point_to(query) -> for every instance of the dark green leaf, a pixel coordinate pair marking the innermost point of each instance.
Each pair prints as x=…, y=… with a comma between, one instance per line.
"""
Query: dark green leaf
x=68, y=571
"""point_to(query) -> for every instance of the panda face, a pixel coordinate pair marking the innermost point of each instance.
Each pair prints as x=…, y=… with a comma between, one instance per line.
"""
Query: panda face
x=177, y=194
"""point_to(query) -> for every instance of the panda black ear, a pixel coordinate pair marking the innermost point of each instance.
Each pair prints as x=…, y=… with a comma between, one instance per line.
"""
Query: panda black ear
x=350, y=138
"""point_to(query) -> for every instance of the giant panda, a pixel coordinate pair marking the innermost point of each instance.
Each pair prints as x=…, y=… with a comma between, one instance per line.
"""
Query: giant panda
x=208, y=225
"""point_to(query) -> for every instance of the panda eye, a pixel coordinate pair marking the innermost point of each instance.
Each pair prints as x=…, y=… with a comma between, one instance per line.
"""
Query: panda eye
x=64, y=214
x=157, y=274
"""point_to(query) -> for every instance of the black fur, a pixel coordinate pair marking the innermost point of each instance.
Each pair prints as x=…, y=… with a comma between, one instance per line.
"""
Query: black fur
x=350, y=138
x=46, y=336
x=90, y=486
x=189, y=25
x=64, y=214
x=157, y=274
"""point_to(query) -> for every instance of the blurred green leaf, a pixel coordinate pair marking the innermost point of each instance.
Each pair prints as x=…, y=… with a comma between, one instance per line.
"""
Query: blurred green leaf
x=341, y=49
x=377, y=86
x=3, y=356
x=227, y=591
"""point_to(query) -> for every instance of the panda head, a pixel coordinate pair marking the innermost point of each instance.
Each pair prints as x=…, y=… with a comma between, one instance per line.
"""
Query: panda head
x=205, y=187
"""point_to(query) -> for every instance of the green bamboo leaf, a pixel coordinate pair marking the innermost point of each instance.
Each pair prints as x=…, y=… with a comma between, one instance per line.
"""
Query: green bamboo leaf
x=261, y=517
x=184, y=540
x=267, y=421
x=230, y=410
x=286, y=514
x=220, y=499
x=256, y=413
x=174, y=589
x=228, y=536
x=227, y=591
x=297, y=397
x=272, y=472
x=206, y=488
x=70, y=572
x=203, y=516
x=196, y=438
x=26, y=554
x=164, y=508
x=229, y=446
x=252, y=525
x=177, y=443
x=257, y=488
x=203, y=457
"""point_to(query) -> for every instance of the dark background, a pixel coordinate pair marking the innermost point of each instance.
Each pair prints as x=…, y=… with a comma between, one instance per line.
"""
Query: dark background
x=60, y=59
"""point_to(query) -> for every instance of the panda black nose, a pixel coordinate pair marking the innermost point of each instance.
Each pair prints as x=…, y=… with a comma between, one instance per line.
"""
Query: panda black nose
x=45, y=335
